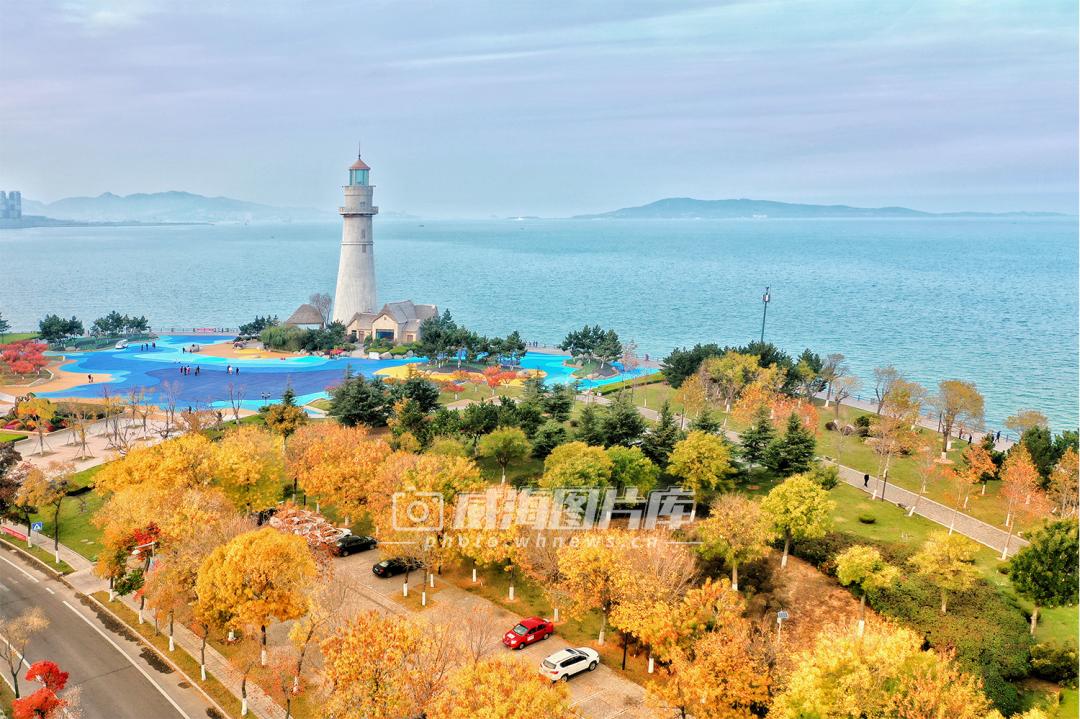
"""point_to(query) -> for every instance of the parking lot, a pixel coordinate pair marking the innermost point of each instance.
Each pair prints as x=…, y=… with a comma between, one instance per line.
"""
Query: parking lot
x=601, y=694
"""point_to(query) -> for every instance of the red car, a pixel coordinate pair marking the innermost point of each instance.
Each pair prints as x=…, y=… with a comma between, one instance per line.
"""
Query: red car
x=528, y=631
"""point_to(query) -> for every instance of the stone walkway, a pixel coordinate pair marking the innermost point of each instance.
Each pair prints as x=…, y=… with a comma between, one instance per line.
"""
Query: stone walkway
x=981, y=532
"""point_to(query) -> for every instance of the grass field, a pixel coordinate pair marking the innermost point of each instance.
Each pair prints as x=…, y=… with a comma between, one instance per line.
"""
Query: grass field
x=76, y=531
x=9, y=436
x=17, y=337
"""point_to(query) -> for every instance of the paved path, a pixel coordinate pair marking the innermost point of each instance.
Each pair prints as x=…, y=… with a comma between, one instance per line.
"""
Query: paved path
x=965, y=524
x=116, y=676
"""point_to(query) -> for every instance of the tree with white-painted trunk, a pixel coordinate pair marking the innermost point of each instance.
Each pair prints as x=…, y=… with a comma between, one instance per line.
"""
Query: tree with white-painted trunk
x=1024, y=498
x=959, y=403
x=1045, y=571
x=864, y=570
x=737, y=530
x=799, y=508
x=948, y=562
x=16, y=633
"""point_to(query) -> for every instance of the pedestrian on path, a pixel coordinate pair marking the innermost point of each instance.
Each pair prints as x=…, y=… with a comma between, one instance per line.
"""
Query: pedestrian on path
x=866, y=481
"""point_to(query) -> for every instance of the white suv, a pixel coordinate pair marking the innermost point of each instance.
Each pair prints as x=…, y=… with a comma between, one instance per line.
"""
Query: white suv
x=560, y=666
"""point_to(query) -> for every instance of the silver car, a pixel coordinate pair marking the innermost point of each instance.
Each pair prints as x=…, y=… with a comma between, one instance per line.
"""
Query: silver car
x=560, y=666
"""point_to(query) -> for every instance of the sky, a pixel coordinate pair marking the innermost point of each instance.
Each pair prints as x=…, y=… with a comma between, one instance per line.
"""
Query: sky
x=480, y=108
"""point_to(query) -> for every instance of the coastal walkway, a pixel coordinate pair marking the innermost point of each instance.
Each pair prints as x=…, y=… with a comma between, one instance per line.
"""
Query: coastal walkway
x=983, y=533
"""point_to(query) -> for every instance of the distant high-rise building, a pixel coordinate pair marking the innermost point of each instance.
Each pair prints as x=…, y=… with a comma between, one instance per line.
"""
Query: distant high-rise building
x=10, y=205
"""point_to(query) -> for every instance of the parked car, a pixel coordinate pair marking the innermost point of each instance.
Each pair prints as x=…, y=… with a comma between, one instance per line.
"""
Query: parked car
x=349, y=543
x=560, y=666
x=395, y=566
x=527, y=631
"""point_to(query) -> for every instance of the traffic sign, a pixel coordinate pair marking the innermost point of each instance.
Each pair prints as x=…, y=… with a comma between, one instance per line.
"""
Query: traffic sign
x=781, y=616
x=37, y=526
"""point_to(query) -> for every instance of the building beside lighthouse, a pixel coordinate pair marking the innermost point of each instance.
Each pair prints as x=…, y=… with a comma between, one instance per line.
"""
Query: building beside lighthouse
x=355, y=299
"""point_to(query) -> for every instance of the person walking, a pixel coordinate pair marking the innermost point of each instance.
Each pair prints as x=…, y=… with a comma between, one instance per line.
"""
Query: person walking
x=90, y=378
x=866, y=481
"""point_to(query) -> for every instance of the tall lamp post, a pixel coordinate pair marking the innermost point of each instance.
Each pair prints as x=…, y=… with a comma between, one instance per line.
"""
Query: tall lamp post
x=764, y=310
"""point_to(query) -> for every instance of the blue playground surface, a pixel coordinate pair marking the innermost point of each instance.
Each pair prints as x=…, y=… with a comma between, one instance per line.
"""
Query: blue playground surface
x=310, y=377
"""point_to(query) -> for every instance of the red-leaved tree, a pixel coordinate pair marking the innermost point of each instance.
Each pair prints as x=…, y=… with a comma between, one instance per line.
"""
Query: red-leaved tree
x=44, y=703
x=24, y=356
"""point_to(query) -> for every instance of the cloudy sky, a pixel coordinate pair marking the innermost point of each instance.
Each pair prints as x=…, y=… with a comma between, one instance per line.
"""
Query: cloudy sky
x=496, y=107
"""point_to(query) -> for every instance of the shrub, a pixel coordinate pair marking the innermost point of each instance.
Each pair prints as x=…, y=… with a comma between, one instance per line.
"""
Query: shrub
x=1055, y=662
x=867, y=518
x=827, y=475
x=399, y=350
x=831, y=425
x=862, y=425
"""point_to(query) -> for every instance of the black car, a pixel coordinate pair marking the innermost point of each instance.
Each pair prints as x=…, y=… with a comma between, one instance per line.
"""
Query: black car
x=351, y=543
x=392, y=567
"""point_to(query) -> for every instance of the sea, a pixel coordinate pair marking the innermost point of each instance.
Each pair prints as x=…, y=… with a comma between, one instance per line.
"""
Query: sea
x=990, y=300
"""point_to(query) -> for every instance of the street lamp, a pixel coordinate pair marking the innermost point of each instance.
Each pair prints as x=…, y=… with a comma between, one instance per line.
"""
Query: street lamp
x=764, y=309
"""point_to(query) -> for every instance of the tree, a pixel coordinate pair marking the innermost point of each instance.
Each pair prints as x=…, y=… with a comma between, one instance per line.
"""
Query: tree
x=1045, y=571
x=660, y=441
x=54, y=328
x=1025, y=419
x=703, y=463
x=358, y=400
x=479, y=418
x=255, y=577
x=549, y=435
x=1064, y=490
x=755, y=439
x=831, y=370
x=844, y=387
x=622, y=423
x=959, y=403
x=631, y=468
x=974, y=467
x=45, y=703
x=505, y=446
x=5, y=327
x=284, y=418
x=798, y=509
x=250, y=466
x=590, y=428
x=947, y=561
x=41, y=412
x=17, y=632
x=884, y=673
x=792, y=452
x=24, y=357
x=47, y=488
x=884, y=380
x=591, y=570
x=737, y=529
x=864, y=570
x=500, y=689
x=373, y=665
x=1020, y=490
x=322, y=302
x=729, y=375
x=575, y=465
x=692, y=396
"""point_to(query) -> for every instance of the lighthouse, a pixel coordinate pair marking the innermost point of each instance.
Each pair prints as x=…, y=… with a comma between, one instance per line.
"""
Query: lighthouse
x=355, y=293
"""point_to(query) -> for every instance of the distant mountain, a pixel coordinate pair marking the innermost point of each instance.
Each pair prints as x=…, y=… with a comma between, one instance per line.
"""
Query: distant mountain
x=169, y=207
x=689, y=208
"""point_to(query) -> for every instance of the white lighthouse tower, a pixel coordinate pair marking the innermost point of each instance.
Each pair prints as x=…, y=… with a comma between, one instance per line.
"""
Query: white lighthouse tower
x=355, y=291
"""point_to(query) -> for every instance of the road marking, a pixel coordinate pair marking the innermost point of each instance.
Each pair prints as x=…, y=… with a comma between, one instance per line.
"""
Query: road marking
x=27, y=574
x=4, y=588
x=132, y=661
x=49, y=590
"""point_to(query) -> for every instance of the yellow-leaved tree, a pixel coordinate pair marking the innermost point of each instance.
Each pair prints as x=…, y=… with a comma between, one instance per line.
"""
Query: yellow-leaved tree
x=249, y=465
x=864, y=570
x=948, y=562
x=186, y=461
x=337, y=464
x=500, y=689
x=591, y=570
x=703, y=462
x=256, y=577
x=736, y=529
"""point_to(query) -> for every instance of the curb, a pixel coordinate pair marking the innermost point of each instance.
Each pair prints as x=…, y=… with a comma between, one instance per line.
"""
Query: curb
x=55, y=574
x=164, y=657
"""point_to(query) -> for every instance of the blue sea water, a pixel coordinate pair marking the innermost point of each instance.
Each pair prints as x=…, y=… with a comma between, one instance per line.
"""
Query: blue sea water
x=994, y=301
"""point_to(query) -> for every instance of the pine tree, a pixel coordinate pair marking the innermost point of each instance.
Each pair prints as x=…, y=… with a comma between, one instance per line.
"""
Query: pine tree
x=793, y=452
x=757, y=438
x=622, y=423
x=706, y=422
x=659, y=443
x=589, y=428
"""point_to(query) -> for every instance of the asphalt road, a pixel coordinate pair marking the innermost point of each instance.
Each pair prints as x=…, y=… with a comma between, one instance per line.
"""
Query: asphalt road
x=118, y=678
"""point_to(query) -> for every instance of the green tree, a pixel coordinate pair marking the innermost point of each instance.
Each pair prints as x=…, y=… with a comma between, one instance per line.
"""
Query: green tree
x=54, y=328
x=622, y=423
x=284, y=418
x=706, y=422
x=5, y=327
x=590, y=429
x=479, y=418
x=948, y=562
x=559, y=402
x=864, y=570
x=660, y=442
x=505, y=446
x=737, y=530
x=793, y=452
x=631, y=468
x=576, y=464
x=358, y=400
x=755, y=439
x=548, y=436
x=703, y=463
x=1040, y=445
x=798, y=509
x=1045, y=571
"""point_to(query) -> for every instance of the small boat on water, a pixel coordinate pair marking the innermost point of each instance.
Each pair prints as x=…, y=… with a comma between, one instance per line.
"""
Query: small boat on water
x=122, y=345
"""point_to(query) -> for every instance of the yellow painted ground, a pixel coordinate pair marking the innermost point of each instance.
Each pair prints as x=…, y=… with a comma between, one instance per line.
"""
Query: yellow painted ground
x=403, y=372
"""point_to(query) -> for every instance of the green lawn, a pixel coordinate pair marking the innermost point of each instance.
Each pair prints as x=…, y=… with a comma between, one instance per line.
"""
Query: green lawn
x=17, y=337
x=9, y=436
x=76, y=531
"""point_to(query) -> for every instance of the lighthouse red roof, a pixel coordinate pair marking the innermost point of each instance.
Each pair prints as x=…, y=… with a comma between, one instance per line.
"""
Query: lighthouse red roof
x=359, y=165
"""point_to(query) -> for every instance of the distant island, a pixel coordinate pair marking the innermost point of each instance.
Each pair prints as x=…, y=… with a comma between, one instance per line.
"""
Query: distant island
x=687, y=208
x=166, y=207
